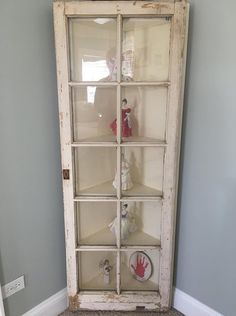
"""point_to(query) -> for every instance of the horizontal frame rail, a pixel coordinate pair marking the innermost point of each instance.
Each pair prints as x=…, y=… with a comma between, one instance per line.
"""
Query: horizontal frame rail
x=126, y=8
x=115, y=199
x=115, y=144
x=115, y=248
x=116, y=83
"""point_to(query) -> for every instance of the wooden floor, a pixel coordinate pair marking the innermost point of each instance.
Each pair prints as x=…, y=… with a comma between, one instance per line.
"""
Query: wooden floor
x=101, y=313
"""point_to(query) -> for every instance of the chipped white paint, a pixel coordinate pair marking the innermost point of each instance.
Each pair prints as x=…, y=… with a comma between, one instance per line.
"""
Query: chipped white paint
x=112, y=301
x=179, y=13
x=75, y=8
x=171, y=165
x=66, y=138
x=123, y=84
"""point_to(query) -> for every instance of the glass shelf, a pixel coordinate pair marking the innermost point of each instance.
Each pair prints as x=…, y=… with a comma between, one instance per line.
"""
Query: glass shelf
x=142, y=190
x=108, y=141
x=107, y=189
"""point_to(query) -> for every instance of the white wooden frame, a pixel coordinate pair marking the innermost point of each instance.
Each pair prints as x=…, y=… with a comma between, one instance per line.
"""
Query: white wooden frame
x=178, y=11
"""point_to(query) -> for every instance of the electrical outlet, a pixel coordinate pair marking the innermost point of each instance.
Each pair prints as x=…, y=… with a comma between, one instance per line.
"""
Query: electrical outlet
x=13, y=287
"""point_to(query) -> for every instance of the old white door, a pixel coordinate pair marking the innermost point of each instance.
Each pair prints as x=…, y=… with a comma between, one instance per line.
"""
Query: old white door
x=120, y=67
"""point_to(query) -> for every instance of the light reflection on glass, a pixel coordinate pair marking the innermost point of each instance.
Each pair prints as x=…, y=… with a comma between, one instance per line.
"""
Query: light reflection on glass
x=94, y=70
x=93, y=49
x=91, y=91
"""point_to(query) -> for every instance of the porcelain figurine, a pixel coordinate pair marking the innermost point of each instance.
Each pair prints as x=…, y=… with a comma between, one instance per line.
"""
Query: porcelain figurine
x=126, y=126
x=126, y=182
x=106, y=269
x=127, y=226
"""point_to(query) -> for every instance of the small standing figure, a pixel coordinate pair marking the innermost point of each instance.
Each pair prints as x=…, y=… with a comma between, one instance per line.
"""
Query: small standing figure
x=126, y=126
x=128, y=224
x=126, y=182
x=106, y=269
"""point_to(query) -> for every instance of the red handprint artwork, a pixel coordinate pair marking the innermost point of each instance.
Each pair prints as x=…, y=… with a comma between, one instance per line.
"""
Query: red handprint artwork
x=141, y=266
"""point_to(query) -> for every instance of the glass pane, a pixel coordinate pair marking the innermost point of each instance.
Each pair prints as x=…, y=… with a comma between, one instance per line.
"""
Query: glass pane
x=140, y=270
x=97, y=270
x=93, y=49
x=142, y=171
x=95, y=170
x=145, y=113
x=93, y=222
x=145, y=49
x=94, y=109
x=141, y=223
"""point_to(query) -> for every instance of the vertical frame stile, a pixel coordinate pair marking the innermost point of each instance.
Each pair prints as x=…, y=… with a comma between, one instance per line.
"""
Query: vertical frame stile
x=169, y=76
x=119, y=26
x=60, y=26
x=119, y=30
x=119, y=38
x=177, y=62
x=118, y=272
x=118, y=122
x=118, y=218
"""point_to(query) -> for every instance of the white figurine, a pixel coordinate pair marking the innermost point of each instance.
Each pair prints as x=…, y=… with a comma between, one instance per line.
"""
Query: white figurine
x=128, y=224
x=126, y=182
x=106, y=269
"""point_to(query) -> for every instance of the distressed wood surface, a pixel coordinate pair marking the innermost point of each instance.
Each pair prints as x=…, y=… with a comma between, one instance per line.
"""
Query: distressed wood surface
x=81, y=8
x=66, y=138
x=171, y=165
x=112, y=301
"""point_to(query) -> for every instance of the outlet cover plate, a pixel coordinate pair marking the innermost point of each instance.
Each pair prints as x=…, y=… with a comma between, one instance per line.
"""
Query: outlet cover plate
x=13, y=287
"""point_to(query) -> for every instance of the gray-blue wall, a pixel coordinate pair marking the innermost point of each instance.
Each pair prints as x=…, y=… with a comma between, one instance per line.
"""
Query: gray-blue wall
x=206, y=255
x=31, y=212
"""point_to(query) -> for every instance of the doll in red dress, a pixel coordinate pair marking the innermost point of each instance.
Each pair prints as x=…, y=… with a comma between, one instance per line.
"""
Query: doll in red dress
x=126, y=128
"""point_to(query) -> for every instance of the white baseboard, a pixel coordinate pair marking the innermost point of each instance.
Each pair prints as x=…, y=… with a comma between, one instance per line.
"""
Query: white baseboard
x=52, y=306
x=2, y=312
x=189, y=306
x=183, y=302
